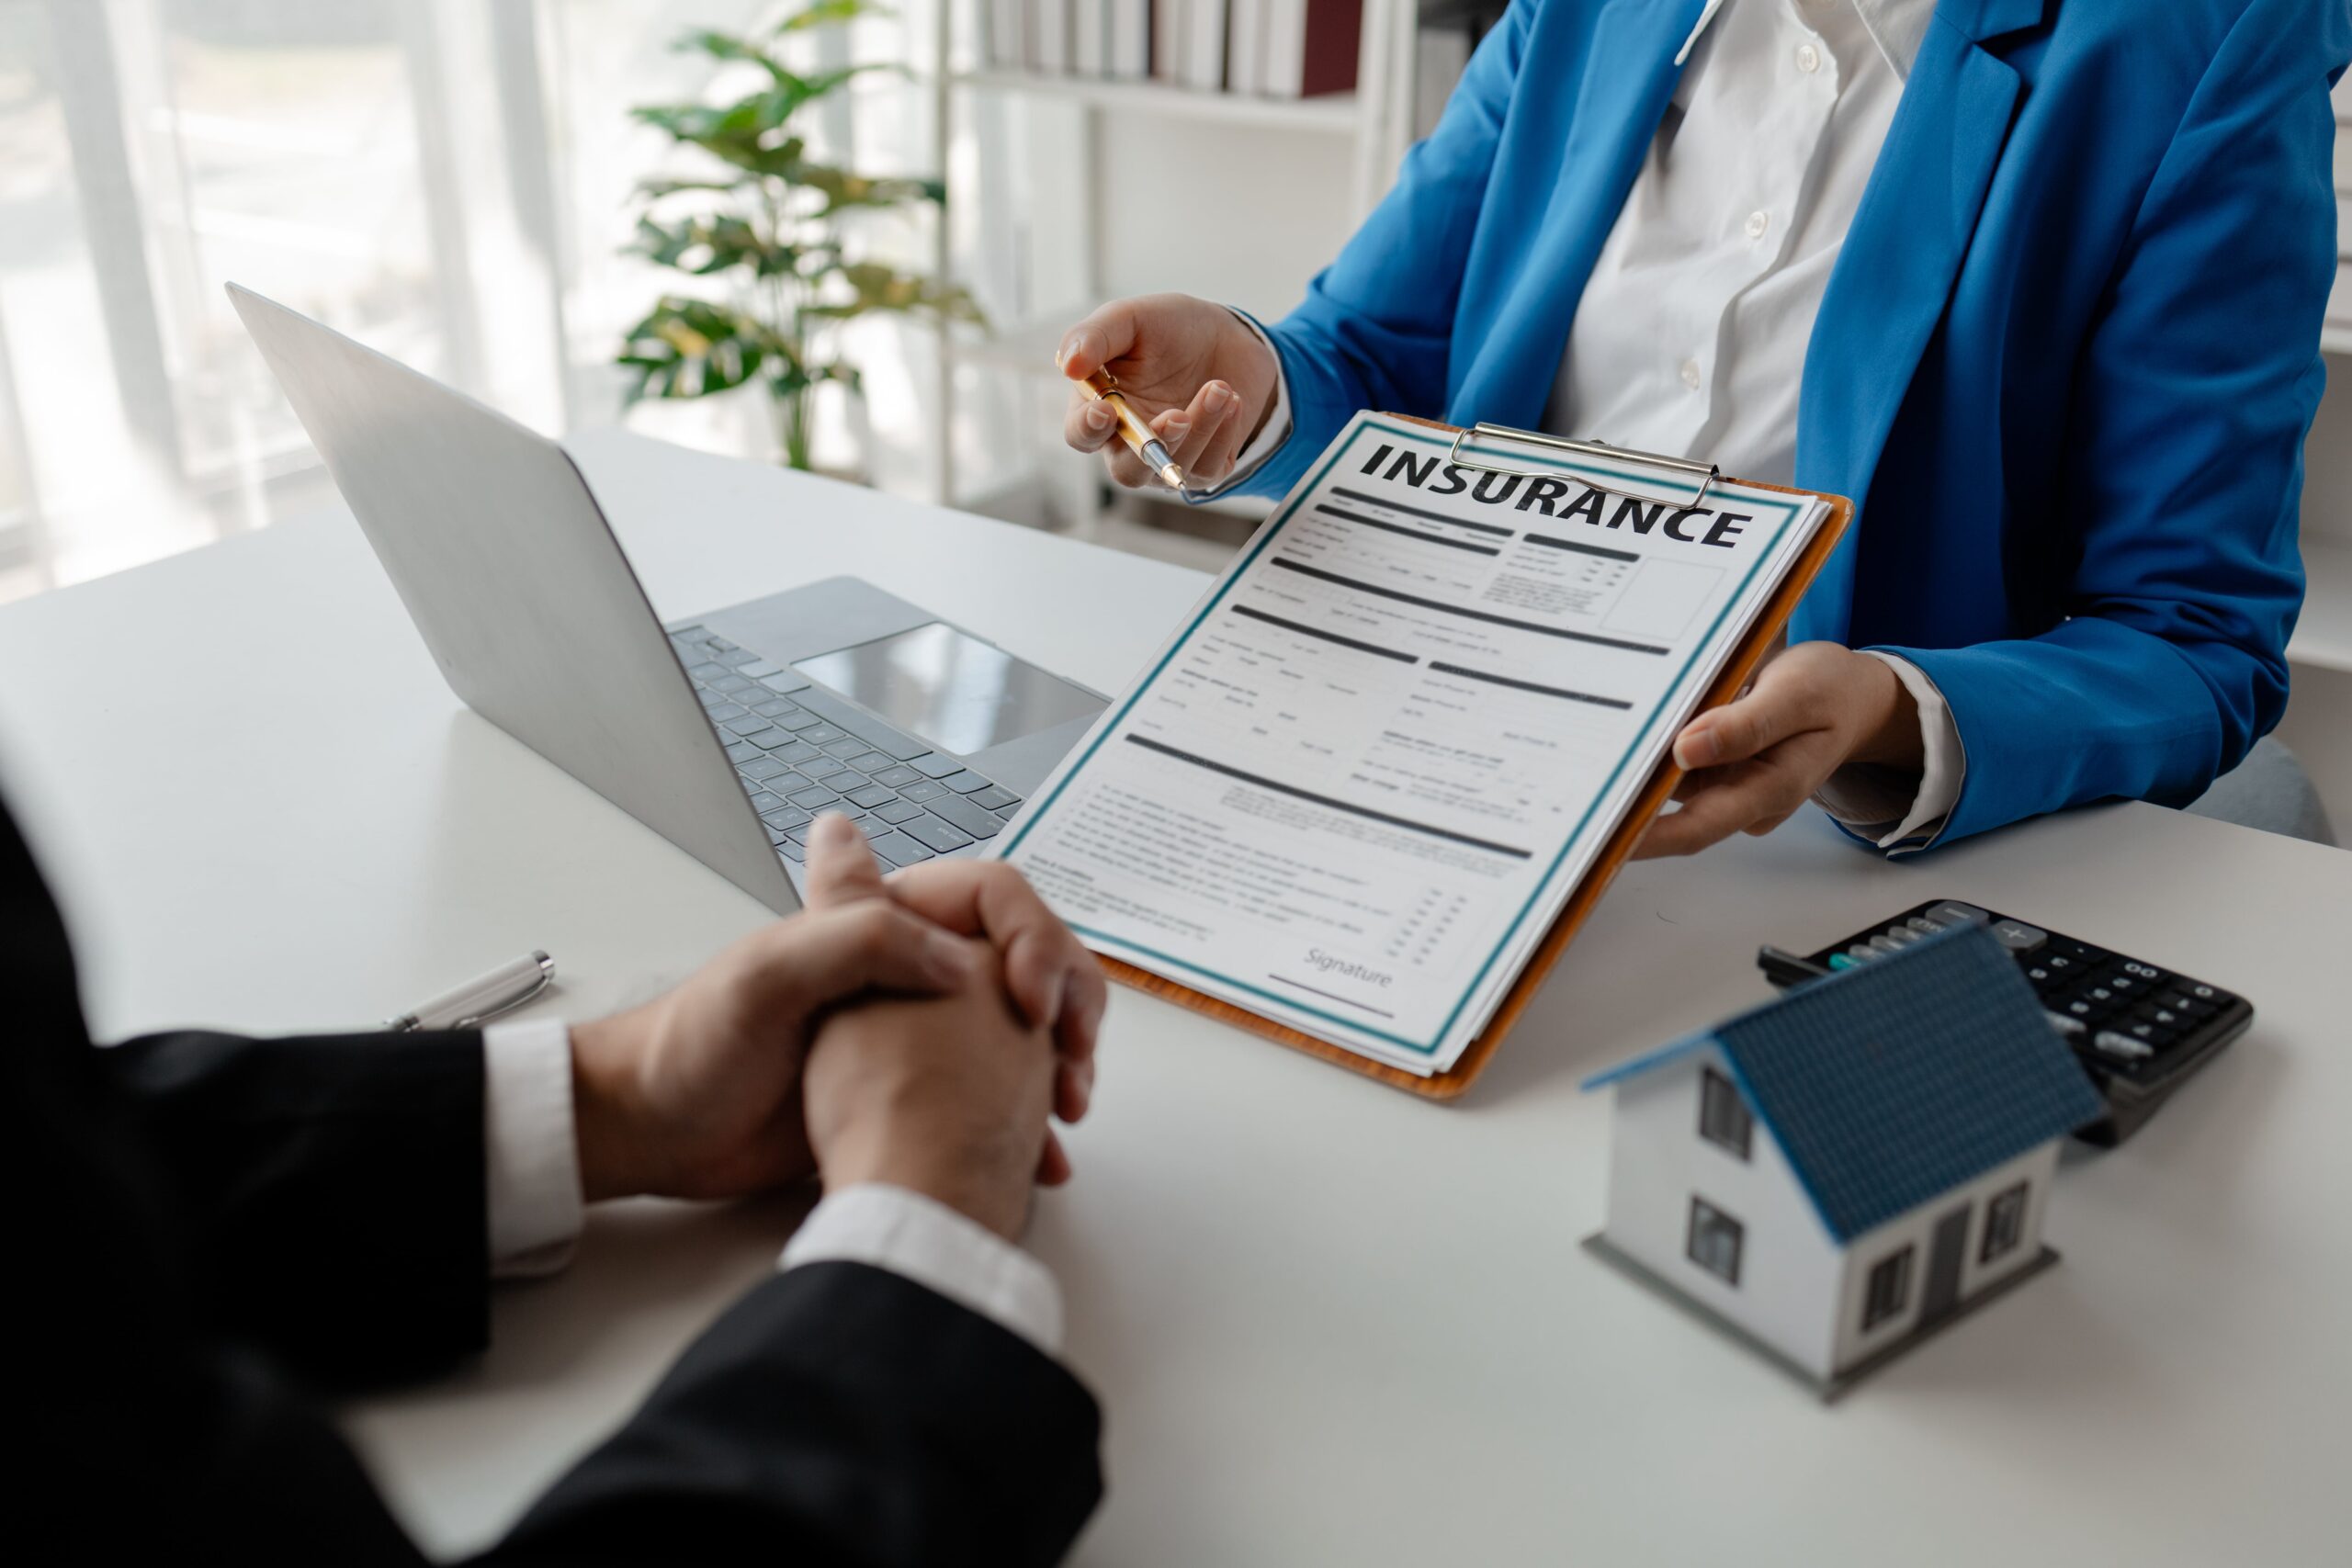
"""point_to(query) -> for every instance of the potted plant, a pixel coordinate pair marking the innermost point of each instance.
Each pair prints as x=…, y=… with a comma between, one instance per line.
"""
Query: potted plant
x=770, y=225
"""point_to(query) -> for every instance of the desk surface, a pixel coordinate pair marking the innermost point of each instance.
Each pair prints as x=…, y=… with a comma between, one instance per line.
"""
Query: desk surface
x=1330, y=1323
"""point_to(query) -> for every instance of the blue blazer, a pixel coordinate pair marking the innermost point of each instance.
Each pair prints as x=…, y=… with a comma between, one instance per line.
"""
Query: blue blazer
x=2065, y=363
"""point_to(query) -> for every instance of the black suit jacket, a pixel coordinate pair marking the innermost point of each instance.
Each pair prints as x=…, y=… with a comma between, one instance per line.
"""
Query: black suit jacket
x=204, y=1227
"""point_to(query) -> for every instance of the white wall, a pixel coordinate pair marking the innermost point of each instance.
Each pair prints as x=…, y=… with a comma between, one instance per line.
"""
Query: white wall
x=1790, y=1270
x=1917, y=1229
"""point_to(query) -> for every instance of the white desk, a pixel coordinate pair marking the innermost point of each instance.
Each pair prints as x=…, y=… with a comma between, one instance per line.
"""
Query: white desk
x=1298, y=1293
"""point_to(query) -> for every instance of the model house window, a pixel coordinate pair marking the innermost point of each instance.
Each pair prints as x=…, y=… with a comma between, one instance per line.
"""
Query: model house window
x=1889, y=1291
x=2004, y=1224
x=1722, y=1115
x=1715, y=1241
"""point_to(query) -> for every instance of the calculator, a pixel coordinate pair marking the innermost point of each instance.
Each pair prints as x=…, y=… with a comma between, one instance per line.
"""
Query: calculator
x=2138, y=1029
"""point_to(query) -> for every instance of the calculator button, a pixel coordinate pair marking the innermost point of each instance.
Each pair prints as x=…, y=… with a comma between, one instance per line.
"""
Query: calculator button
x=1902, y=936
x=1882, y=944
x=1841, y=961
x=2040, y=976
x=2153, y=1034
x=2123, y=1045
x=1949, y=913
x=2124, y=986
x=2204, y=993
x=2065, y=1025
x=2099, y=994
x=2018, y=937
x=2082, y=950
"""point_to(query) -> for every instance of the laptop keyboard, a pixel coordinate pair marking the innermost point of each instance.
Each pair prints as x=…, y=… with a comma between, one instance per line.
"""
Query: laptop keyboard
x=802, y=752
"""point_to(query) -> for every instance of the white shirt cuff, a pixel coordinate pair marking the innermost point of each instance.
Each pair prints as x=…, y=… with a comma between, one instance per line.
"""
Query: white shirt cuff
x=1885, y=804
x=923, y=1240
x=1273, y=433
x=533, y=1151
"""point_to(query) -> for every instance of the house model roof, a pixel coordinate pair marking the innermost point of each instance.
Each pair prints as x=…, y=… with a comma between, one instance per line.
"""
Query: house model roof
x=1897, y=1080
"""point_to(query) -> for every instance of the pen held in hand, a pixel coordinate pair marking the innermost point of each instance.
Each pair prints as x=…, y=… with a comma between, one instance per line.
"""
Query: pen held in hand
x=1103, y=388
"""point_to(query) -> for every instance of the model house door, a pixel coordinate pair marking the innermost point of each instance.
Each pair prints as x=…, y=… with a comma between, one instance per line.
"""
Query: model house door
x=1945, y=1251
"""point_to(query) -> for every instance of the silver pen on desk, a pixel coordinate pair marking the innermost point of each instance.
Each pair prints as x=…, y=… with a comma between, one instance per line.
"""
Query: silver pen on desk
x=503, y=989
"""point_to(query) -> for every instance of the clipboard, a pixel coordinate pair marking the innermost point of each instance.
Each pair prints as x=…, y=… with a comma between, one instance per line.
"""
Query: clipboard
x=1737, y=672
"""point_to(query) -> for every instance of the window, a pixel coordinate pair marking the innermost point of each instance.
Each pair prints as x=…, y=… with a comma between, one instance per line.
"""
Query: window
x=1722, y=1115
x=1889, y=1291
x=2004, y=1224
x=1714, y=1240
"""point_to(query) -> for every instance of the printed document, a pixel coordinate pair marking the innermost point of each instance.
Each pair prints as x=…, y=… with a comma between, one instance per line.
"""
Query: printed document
x=1354, y=790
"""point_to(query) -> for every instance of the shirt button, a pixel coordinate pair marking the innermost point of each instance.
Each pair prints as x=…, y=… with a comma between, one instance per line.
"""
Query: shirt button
x=1808, y=58
x=1691, y=373
x=1757, y=223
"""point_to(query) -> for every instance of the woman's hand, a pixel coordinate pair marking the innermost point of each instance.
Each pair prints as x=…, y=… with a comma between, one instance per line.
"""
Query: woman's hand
x=1754, y=761
x=1193, y=369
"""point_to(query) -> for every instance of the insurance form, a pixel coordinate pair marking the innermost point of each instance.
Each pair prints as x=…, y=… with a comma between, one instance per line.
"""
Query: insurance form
x=1354, y=790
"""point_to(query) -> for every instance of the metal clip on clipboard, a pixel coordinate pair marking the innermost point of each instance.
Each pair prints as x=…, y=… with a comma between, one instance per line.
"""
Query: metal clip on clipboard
x=1707, y=473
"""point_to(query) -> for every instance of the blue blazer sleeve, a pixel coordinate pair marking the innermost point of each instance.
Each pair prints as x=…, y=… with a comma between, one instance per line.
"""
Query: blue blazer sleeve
x=2193, y=395
x=1374, y=329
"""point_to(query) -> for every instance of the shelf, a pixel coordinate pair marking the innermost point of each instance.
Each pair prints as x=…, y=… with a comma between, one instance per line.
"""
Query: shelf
x=2324, y=636
x=1335, y=112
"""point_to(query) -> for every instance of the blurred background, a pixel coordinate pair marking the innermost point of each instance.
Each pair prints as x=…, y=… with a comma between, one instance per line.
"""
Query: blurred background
x=453, y=182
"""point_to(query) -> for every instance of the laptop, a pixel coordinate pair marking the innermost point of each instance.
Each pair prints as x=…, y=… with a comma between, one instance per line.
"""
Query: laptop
x=726, y=733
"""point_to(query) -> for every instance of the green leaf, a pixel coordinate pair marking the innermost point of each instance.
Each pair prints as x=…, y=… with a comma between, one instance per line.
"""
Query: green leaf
x=727, y=46
x=714, y=245
x=691, y=348
x=842, y=189
x=654, y=190
x=875, y=286
x=828, y=13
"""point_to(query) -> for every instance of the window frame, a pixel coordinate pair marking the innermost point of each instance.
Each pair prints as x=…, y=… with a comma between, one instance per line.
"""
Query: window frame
x=1716, y=1215
x=2021, y=1194
x=1717, y=1088
x=1901, y=1260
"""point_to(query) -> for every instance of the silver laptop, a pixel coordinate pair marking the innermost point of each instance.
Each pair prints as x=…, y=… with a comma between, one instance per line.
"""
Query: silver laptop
x=726, y=733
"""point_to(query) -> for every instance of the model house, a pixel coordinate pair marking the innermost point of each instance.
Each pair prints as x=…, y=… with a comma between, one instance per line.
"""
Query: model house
x=1838, y=1173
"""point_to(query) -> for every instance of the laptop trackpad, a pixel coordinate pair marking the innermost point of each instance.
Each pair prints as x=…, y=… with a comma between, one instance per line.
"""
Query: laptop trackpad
x=952, y=689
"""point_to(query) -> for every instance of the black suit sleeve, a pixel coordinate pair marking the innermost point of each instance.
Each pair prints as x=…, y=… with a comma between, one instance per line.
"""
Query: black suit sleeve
x=327, y=1194
x=196, y=1208
x=872, y=1422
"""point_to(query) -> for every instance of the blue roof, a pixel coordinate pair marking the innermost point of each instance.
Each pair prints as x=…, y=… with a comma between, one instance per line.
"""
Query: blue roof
x=1898, y=1080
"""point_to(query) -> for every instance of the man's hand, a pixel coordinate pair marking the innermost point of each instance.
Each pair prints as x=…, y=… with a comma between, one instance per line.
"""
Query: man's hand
x=698, y=1093
x=1753, y=762
x=1202, y=378
x=946, y=1098
x=1053, y=981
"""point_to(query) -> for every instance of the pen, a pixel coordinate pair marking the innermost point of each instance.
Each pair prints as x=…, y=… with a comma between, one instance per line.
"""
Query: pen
x=485, y=997
x=1103, y=388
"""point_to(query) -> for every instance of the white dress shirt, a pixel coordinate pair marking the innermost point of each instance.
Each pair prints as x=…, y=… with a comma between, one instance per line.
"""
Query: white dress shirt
x=535, y=1200
x=1691, y=335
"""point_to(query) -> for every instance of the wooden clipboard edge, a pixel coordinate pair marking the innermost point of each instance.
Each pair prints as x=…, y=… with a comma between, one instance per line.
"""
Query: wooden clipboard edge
x=1454, y=1080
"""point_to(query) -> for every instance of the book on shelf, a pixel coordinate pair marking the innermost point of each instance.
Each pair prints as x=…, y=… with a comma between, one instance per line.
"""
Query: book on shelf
x=1203, y=29
x=1007, y=40
x=1167, y=41
x=1131, y=39
x=1049, y=26
x=1280, y=49
x=1310, y=48
x=1090, y=37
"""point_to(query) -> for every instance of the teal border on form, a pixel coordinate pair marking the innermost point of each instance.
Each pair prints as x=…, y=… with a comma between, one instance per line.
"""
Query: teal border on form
x=1789, y=510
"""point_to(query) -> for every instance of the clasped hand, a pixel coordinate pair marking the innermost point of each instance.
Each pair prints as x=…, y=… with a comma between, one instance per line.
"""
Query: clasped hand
x=918, y=1031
